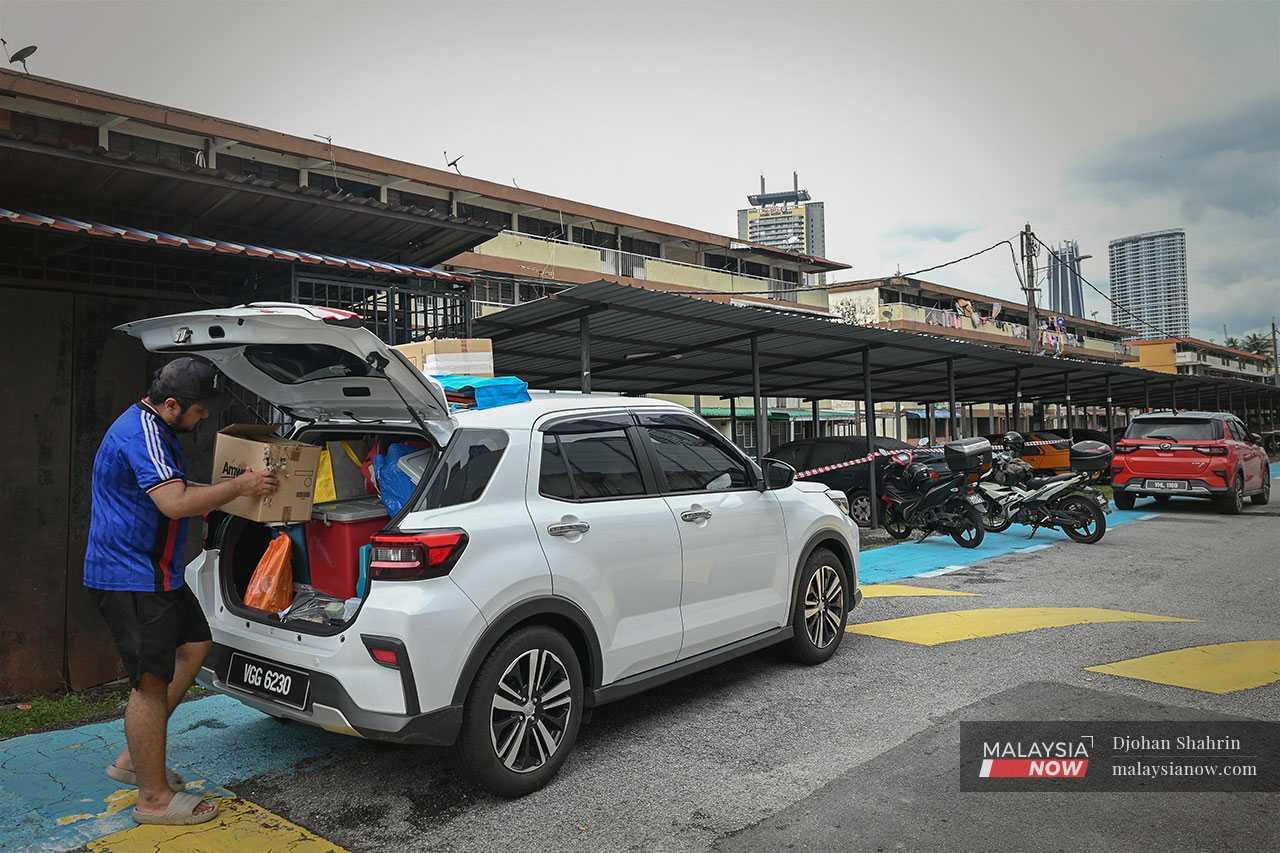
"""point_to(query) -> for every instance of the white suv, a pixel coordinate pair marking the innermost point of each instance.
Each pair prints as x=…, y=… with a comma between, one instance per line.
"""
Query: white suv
x=557, y=554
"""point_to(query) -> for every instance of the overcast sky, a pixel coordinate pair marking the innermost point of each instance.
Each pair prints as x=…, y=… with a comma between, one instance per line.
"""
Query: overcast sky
x=930, y=130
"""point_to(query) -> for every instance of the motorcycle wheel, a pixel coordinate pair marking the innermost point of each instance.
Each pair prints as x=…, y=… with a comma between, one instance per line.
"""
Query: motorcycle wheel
x=970, y=536
x=1093, y=521
x=895, y=525
x=996, y=519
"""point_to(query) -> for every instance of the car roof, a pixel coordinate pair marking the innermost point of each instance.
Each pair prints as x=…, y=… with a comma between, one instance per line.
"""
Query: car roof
x=524, y=415
x=1181, y=413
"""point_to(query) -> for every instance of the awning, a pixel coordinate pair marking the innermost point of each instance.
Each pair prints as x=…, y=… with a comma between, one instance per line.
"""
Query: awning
x=223, y=247
x=649, y=342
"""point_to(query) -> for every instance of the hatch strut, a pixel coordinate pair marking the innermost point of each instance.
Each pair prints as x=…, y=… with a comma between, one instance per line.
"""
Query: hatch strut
x=378, y=363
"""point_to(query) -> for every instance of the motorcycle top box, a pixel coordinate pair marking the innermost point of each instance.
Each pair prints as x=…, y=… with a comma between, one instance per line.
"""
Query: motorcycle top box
x=967, y=454
x=1090, y=456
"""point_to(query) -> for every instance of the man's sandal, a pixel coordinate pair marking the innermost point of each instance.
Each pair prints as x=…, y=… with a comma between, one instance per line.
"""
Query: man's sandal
x=181, y=811
x=128, y=777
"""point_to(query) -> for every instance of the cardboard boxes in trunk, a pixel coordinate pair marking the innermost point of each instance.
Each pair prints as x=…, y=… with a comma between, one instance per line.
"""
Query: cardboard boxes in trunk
x=469, y=356
x=241, y=447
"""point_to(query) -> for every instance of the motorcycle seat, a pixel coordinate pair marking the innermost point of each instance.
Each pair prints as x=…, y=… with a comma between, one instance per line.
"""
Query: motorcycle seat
x=1041, y=482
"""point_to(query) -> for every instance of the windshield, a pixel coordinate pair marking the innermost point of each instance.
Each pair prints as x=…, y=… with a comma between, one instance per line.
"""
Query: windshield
x=1175, y=429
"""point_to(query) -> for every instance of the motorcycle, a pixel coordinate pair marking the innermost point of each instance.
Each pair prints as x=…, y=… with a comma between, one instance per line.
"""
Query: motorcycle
x=918, y=498
x=1066, y=502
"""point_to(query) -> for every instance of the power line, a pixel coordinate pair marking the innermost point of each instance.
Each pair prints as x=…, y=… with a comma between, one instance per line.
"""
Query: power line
x=810, y=288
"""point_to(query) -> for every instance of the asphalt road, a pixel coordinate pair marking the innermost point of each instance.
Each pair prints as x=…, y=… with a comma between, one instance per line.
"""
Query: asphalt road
x=860, y=753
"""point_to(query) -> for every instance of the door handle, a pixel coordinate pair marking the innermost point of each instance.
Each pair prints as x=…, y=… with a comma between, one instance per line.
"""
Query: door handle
x=568, y=528
x=693, y=515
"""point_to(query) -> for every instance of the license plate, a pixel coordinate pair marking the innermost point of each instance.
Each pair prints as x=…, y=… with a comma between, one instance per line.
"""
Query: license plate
x=1167, y=485
x=284, y=684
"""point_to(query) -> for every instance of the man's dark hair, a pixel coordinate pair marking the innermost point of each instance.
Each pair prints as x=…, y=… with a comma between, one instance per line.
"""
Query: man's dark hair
x=187, y=380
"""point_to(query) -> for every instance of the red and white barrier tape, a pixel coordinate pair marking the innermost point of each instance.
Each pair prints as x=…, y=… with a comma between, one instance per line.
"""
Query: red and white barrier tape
x=862, y=460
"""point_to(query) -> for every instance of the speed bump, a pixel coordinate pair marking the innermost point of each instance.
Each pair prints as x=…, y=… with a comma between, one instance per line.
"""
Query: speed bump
x=951, y=626
x=1216, y=668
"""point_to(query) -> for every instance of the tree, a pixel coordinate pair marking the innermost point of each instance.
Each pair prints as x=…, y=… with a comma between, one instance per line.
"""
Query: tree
x=1258, y=345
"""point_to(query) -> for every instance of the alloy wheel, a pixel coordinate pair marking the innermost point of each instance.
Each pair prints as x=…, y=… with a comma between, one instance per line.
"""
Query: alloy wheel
x=824, y=606
x=530, y=710
x=860, y=509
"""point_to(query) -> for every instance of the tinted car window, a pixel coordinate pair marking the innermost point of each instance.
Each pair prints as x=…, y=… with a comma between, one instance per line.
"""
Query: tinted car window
x=464, y=469
x=1237, y=432
x=1175, y=429
x=294, y=363
x=831, y=452
x=599, y=464
x=693, y=463
x=553, y=479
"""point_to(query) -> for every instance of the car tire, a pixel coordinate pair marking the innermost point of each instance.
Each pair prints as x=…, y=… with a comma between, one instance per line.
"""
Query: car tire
x=859, y=507
x=503, y=744
x=1263, y=497
x=821, y=610
x=1124, y=500
x=1233, y=502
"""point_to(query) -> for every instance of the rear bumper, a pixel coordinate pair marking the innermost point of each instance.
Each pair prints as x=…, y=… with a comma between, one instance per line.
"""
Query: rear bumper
x=330, y=707
x=1195, y=488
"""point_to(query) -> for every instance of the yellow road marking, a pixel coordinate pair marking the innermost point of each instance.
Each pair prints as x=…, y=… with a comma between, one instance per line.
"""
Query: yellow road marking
x=1217, y=668
x=241, y=826
x=933, y=629
x=888, y=590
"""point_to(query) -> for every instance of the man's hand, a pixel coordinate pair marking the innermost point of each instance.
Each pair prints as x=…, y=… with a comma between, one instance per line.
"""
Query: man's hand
x=179, y=499
x=256, y=484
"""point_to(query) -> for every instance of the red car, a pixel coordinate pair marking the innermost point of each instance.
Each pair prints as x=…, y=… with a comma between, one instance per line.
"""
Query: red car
x=1193, y=455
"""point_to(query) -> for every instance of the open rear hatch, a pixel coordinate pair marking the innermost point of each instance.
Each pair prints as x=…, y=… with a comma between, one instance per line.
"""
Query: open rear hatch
x=315, y=364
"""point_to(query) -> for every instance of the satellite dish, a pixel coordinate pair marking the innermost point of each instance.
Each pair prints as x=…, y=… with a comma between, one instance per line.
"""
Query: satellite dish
x=23, y=55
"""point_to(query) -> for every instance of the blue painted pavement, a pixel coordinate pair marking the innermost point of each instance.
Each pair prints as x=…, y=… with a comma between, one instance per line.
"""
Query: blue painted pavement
x=54, y=794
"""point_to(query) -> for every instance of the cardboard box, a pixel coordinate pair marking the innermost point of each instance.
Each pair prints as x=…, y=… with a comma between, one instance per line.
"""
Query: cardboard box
x=241, y=447
x=468, y=356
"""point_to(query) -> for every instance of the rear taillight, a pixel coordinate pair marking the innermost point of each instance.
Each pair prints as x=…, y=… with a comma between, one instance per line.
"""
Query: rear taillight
x=1212, y=450
x=416, y=556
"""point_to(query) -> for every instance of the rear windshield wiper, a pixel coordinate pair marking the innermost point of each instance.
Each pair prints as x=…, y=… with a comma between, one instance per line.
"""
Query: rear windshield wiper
x=1159, y=435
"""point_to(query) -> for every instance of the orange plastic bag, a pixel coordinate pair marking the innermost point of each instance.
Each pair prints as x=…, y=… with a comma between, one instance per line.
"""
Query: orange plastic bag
x=271, y=586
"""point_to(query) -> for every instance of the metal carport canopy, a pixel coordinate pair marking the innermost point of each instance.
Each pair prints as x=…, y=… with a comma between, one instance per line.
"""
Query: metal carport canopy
x=644, y=341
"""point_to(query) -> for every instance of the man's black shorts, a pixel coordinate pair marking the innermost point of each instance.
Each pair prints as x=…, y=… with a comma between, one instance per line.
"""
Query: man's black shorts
x=148, y=627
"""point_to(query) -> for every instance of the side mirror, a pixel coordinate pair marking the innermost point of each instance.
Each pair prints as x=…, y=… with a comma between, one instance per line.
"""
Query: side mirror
x=778, y=474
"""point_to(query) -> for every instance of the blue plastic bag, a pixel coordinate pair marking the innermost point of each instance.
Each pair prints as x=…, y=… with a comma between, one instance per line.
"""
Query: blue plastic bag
x=489, y=391
x=394, y=485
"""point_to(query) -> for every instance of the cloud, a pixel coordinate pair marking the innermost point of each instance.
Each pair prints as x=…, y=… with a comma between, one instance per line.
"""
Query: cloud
x=1228, y=162
x=930, y=233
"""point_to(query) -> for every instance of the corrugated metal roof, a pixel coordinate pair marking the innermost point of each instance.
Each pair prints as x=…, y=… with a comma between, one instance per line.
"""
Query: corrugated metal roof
x=644, y=341
x=222, y=247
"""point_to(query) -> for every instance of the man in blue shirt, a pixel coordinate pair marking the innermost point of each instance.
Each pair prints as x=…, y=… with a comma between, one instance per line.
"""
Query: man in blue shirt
x=133, y=566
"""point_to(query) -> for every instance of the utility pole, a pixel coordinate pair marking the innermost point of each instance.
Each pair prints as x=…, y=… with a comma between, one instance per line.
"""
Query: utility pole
x=1029, y=251
x=1275, y=355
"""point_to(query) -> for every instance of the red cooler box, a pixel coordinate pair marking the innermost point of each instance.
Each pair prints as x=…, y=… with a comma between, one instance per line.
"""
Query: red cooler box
x=334, y=536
